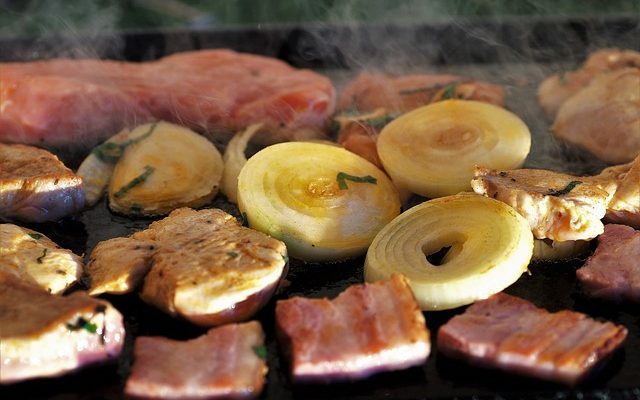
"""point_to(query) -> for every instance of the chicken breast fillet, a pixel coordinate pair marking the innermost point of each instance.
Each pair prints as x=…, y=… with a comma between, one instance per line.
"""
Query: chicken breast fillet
x=45, y=335
x=200, y=265
x=557, y=206
x=604, y=117
x=33, y=257
x=624, y=206
x=35, y=186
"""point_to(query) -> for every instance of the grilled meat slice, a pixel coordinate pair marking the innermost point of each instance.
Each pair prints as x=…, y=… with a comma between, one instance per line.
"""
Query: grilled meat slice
x=35, y=186
x=624, y=207
x=224, y=363
x=558, y=206
x=82, y=102
x=603, y=118
x=558, y=88
x=200, y=265
x=44, y=335
x=370, y=91
x=33, y=257
x=613, y=271
x=512, y=334
x=367, y=329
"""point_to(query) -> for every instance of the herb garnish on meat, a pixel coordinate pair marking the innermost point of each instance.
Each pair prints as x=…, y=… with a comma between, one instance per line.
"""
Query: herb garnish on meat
x=148, y=170
x=564, y=191
x=342, y=177
x=82, y=323
x=261, y=351
x=35, y=236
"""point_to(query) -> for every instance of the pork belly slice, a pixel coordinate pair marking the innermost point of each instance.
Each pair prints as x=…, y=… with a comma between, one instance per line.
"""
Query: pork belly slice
x=200, y=265
x=557, y=206
x=43, y=335
x=79, y=103
x=35, y=186
x=369, y=328
x=33, y=257
x=613, y=271
x=226, y=362
x=512, y=334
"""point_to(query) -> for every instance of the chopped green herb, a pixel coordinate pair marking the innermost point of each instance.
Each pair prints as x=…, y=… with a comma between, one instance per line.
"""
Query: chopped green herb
x=35, y=236
x=261, y=351
x=148, y=170
x=232, y=254
x=343, y=176
x=44, y=254
x=82, y=323
x=245, y=219
x=285, y=258
x=564, y=191
x=449, y=92
x=110, y=152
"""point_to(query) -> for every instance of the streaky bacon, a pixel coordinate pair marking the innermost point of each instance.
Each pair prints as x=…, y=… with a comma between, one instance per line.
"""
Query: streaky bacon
x=367, y=329
x=66, y=102
x=613, y=271
x=223, y=363
x=512, y=334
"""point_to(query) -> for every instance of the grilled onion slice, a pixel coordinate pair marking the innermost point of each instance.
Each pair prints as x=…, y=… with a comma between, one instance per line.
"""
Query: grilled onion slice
x=323, y=201
x=490, y=247
x=234, y=159
x=552, y=250
x=432, y=150
x=173, y=167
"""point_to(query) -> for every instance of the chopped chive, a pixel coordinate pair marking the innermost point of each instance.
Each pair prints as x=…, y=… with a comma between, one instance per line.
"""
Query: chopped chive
x=232, y=254
x=110, y=152
x=35, y=236
x=449, y=92
x=564, y=191
x=82, y=323
x=342, y=177
x=44, y=254
x=148, y=170
x=261, y=351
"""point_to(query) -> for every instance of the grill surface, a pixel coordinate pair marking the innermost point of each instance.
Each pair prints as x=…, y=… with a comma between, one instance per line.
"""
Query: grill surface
x=549, y=285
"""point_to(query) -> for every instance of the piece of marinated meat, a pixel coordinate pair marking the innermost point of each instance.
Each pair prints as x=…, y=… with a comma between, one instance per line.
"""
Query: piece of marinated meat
x=82, y=102
x=359, y=133
x=227, y=362
x=512, y=334
x=33, y=257
x=43, y=335
x=200, y=265
x=35, y=186
x=558, y=88
x=399, y=94
x=367, y=329
x=624, y=206
x=557, y=206
x=613, y=271
x=603, y=118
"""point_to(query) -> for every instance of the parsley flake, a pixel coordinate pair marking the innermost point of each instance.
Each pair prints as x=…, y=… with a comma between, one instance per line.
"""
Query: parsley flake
x=148, y=170
x=82, y=323
x=110, y=152
x=35, y=236
x=342, y=177
x=570, y=186
x=261, y=351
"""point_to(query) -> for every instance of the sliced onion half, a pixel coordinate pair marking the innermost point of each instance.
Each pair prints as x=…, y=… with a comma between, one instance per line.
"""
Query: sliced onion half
x=432, y=150
x=293, y=192
x=489, y=247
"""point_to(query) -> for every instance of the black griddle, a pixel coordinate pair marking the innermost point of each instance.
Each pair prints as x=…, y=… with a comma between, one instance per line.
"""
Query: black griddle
x=517, y=53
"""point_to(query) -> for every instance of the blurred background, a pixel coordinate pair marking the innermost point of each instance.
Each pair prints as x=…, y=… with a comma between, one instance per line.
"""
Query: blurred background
x=39, y=17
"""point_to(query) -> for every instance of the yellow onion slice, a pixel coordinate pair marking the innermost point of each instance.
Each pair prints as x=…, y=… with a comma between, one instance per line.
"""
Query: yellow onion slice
x=234, y=159
x=173, y=167
x=294, y=192
x=490, y=247
x=432, y=150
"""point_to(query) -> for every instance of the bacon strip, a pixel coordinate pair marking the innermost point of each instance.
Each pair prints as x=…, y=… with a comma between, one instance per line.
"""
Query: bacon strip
x=512, y=334
x=367, y=329
x=613, y=271
x=224, y=363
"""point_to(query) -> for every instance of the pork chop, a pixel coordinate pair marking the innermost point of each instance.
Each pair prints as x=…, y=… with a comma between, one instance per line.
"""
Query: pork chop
x=33, y=257
x=44, y=335
x=200, y=265
x=35, y=186
x=217, y=92
x=227, y=362
x=512, y=334
x=613, y=271
x=557, y=206
x=367, y=329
